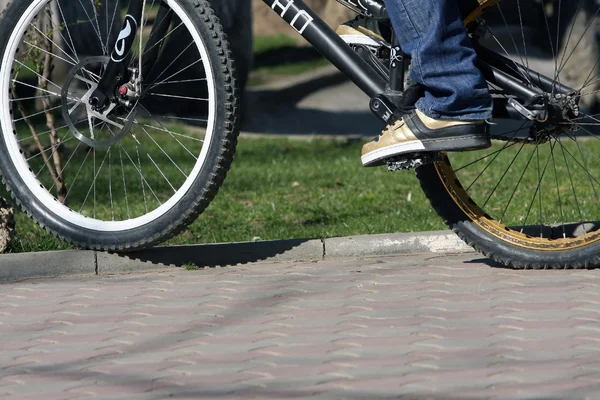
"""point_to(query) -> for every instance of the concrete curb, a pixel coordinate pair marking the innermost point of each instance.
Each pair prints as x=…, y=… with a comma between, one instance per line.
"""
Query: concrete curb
x=70, y=263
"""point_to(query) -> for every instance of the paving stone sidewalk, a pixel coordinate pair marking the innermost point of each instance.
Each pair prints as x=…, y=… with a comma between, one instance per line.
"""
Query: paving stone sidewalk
x=410, y=327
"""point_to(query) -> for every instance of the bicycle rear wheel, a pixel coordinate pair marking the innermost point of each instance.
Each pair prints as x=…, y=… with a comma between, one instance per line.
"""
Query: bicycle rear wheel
x=533, y=200
x=138, y=173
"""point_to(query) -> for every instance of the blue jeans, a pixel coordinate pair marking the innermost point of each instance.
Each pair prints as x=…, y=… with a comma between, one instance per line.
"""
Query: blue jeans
x=443, y=59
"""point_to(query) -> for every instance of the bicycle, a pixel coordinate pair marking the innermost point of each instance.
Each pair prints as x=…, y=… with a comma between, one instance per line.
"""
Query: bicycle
x=132, y=179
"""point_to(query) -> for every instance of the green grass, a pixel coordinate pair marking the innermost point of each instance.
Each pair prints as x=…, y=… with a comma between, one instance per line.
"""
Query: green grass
x=282, y=188
x=190, y=267
x=279, y=188
x=510, y=185
x=264, y=44
x=294, y=189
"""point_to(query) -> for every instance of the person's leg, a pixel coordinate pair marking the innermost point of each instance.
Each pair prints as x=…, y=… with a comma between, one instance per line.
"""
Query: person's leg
x=443, y=60
x=452, y=113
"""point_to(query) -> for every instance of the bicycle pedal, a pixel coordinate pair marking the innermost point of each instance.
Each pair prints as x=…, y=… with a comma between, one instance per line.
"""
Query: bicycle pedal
x=412, y=161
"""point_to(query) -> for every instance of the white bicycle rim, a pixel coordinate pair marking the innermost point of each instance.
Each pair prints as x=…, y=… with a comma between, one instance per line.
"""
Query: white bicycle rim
x=33, y=184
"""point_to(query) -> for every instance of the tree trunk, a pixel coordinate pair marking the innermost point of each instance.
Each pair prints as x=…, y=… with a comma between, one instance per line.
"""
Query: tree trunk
x=7, y=225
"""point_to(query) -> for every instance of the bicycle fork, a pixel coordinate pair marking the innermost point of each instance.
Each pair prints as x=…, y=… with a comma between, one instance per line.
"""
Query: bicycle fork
x=116, y=72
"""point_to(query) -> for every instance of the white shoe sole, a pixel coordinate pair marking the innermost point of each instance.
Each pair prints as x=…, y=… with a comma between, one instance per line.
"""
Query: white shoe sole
x=391, y=151
x=361, y=40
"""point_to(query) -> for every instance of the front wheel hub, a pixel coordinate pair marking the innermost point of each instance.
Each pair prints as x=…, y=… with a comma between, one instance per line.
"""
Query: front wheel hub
x=94, y=128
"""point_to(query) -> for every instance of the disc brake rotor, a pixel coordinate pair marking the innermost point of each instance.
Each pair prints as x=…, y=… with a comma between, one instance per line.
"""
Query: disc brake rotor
x=80, y=83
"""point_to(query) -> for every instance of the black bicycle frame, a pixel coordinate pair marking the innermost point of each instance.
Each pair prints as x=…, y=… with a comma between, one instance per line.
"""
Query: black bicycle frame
x=498, y=70
x=385, y=93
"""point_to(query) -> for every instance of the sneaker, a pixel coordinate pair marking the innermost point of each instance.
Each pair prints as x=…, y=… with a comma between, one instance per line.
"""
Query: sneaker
x=357, y=32
x=418, y=133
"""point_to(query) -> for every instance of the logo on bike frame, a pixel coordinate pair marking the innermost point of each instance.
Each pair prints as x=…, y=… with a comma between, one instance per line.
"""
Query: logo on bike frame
x=124, y=38
x=299, y=14
x=356, y=3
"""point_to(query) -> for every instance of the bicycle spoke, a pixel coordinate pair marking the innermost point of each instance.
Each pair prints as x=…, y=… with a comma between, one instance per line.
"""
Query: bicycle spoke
x=528, y=78
x=62, y=16
x=38, y=75
x=556, y=70
x=164, y=152
x=506, y=146
x=72, y=184
x=163, y=39
x=576, y=161
x=44, y=96
x=579, y=41
x=144, y=182
x=554, y=55
x=562, y=61
x=142, y=179
x=539, y=190
x=512, y=195
x=64, y=140
x=516, y=70
x=586, y=84
x=173, y=62
x=177, y=97
x=97, y=20
x=141, y=39
x=181, y=81
x=43, y=133
x=571, y=180
x=172, y=134
x=53, y=42
x=112, y=23
x=54, y=149
x=50, y=54
x=90, y=19
x=64, y=167
x=184, y=118
x=175, y=74
x=124, y=183
x=536, y=151
x=93, y=185
x=156, y=166
x=560, y=207
x=144, y=23
x=584, y=167
x=486, y=167
x=37, y=113
x=522, y=33
x=503, y=175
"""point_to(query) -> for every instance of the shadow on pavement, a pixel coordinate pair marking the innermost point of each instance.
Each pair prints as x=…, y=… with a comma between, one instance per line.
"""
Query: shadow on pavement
x=212, y=255
x=488, y=262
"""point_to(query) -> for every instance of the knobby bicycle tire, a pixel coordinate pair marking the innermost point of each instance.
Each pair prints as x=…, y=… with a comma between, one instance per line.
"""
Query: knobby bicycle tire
x=199, y=185
x=466, y=202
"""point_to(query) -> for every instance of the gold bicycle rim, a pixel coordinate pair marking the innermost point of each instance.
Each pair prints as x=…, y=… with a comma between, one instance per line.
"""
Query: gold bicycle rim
x=477, y=216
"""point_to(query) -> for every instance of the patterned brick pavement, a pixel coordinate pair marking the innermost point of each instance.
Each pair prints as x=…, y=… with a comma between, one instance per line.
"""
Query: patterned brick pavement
x=412, y=327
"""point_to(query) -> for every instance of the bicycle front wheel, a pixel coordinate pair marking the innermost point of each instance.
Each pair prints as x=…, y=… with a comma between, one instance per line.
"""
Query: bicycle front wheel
x=533, y=199
x=141, y=170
